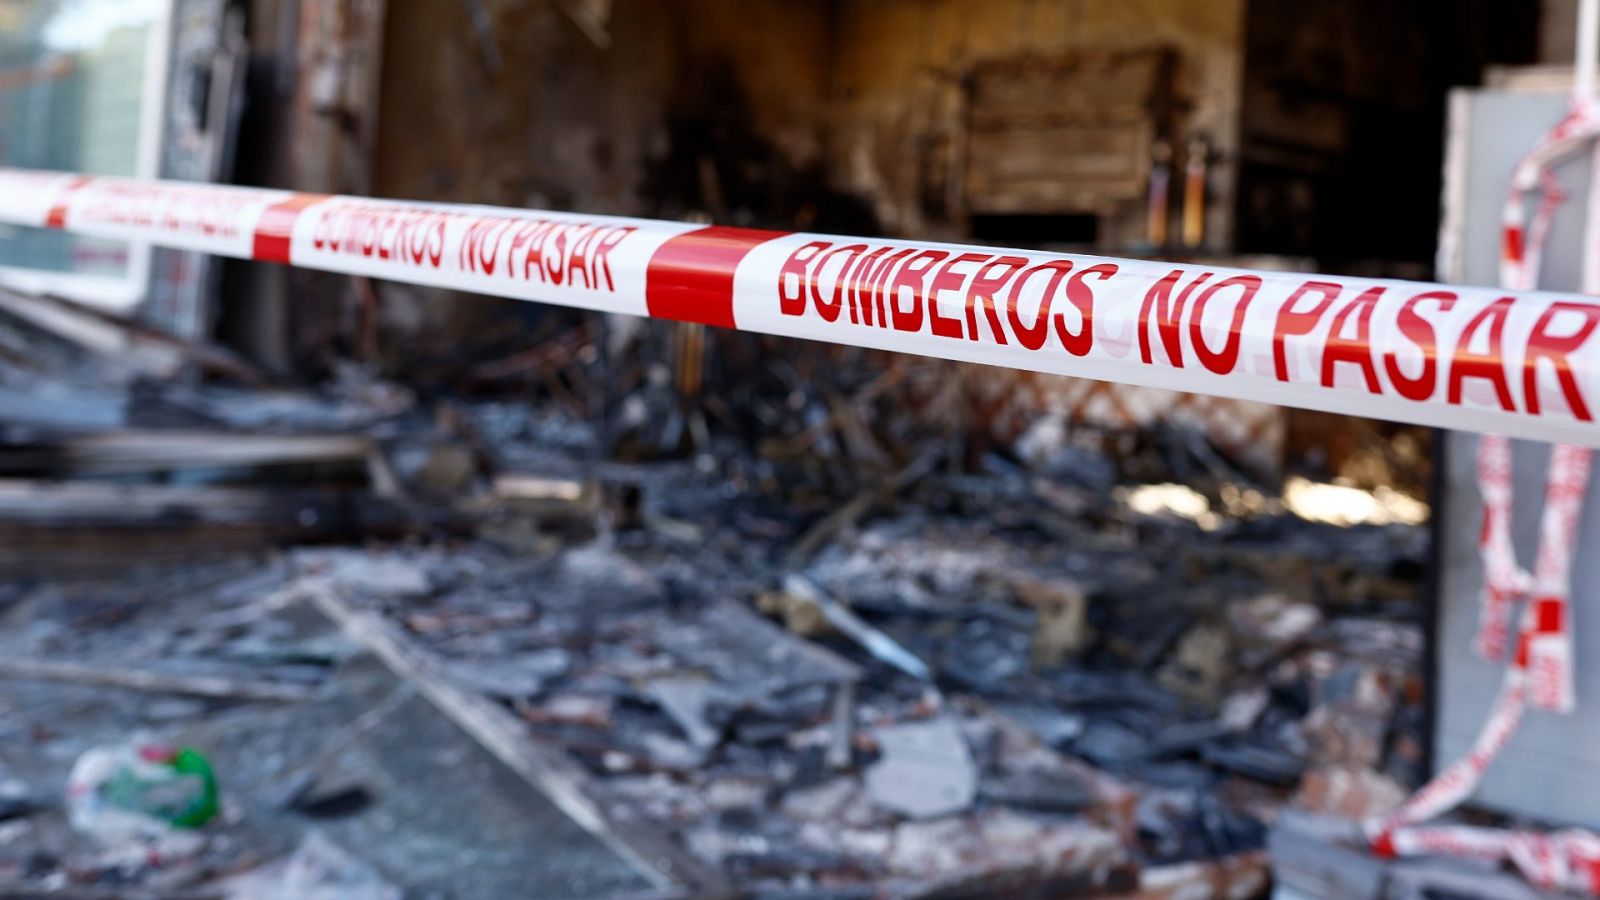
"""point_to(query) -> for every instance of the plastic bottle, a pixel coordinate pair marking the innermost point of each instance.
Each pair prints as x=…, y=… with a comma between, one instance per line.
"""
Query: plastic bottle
x=140, y=791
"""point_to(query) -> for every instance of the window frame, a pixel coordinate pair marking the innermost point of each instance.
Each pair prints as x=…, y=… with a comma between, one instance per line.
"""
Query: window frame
x=120, y=294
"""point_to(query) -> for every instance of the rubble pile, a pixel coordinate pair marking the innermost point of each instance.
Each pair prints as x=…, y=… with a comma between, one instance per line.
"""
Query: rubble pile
x=929, y=668
x=1155, y=689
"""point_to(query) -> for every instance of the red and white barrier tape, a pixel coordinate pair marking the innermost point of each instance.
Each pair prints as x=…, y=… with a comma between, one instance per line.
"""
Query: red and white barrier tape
x=1518, y=363
x=1541, y=672
x=1562, y=860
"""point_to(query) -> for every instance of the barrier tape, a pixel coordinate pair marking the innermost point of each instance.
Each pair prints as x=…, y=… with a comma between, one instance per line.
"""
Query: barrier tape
x=1545, y=654
x=1560, y=861
x=1541, y=671
x=1519, y=363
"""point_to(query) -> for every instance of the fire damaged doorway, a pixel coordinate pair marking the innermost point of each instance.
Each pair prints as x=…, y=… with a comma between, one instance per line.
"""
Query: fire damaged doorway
x=379, y=586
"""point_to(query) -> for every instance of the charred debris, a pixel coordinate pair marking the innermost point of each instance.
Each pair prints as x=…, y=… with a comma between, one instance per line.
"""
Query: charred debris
x=733, y=617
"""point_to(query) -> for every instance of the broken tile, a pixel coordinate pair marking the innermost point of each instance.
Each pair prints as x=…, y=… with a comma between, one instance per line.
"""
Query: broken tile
x=925, y=769
x=686, y=698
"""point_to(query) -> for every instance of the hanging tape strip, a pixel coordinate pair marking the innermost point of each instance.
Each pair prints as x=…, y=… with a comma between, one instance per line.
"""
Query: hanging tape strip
x=1541, y=671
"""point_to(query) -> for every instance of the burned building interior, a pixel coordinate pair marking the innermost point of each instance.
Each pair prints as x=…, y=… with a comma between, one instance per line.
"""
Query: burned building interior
x=468, y=597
